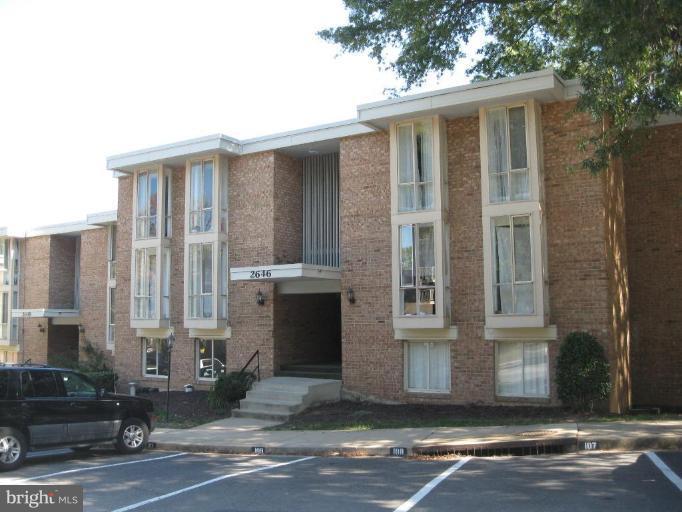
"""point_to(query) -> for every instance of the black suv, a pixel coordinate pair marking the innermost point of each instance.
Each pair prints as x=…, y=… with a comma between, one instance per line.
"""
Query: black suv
x=43, y=407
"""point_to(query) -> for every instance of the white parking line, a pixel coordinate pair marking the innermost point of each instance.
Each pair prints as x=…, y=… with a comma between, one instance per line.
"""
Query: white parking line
x=207, y=482
x=417, y=497
x=669, y=473
x=92, y=468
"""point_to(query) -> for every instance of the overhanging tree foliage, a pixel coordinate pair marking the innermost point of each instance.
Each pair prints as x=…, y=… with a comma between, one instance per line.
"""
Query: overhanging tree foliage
x=626, y=53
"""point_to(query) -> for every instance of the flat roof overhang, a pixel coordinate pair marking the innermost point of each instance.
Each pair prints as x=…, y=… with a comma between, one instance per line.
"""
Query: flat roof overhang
x=298, y=143
x=292, y=278
x=58, y=316
x=465, y=100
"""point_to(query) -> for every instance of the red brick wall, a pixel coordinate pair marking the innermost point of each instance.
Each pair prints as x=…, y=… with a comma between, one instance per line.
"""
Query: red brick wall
x=576, y=219
x=62, y=271
x=653, y=199
x=35, y=283
x=288, y=209
x=93, y=287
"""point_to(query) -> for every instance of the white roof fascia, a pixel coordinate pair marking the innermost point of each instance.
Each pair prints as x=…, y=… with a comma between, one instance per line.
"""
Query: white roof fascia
x=102, y=218
x=66, y=228
x=310, y=135
x=212, y=143
x=476, y=93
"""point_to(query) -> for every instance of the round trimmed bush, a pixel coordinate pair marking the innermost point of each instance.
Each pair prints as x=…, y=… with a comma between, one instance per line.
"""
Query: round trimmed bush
x=582, y=372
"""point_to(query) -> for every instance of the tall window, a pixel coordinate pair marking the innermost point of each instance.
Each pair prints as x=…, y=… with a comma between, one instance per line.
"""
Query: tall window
x=155, y=357
x=223, y=200
x=4, y=261
x=415, y=166
x=512, y=265
x=507, y=155
x=211, y=359
x=201, y=196
x=167, y=211
x=223, y=281
x=417, y=270
x=111, y=317
x=112, y=251
x=522, y=369
x=428, y=366
x=201, y=280
x=146, y=215
x=4, y=315
x=145, y=283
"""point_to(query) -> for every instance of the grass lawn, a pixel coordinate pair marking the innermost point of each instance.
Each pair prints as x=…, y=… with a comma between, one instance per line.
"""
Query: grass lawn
x=347, y=415
x=187, y=410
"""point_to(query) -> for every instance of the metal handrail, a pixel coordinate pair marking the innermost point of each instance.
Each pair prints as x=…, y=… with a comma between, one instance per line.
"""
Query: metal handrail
x=256, y=370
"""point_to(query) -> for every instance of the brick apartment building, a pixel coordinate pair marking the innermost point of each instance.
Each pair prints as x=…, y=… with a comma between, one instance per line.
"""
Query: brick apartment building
x=437, y=248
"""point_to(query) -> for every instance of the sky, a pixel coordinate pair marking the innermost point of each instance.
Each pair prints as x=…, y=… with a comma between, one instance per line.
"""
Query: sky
x=81, y=80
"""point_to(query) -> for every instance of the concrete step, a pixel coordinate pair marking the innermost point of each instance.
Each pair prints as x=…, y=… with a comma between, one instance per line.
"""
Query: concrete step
x=278, y=398
x=318, y=368
x=274, y=406
x=309, y=374
x=260, y=415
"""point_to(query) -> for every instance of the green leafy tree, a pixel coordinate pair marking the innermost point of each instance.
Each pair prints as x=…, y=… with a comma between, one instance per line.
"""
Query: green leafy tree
x=626, y=53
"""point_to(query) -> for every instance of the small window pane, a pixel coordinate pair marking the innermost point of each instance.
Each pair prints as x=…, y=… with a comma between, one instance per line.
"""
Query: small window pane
x=406, y=198
x=409, y=301
x=517, y=137
x=418, y=366
x=427, y=261
x=510, y=369
x=406, y=255
x=425, y=198
x=142, y=195
x=523, y=303
x=535, y=366
x=503, y=299
x=502, y=250
x=207, y=268
x=497, y=140
x=520, y=187
x=405, y=162
x=208, y=184
x=153, y=193
x=195, y=185
x=427, y=301
x=522, y=249
x=439, y=366
x=424, y=141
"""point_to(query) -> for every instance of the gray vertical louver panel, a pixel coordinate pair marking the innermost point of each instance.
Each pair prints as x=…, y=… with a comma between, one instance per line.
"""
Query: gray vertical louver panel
x=321, y=210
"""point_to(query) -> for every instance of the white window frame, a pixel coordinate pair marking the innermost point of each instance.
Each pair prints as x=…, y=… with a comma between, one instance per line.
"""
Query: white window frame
x=198, y=357
x=406, y=368
x=217, y=236
x=437, y=216
x=145, y=219
x=152, y=315
x=144, y=359
x=523, y=369
x=201, y=294
x=532, y=206
x=201, y=212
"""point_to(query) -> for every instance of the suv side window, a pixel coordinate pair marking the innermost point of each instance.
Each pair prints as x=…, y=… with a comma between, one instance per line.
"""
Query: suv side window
x=39, y=384
x=77, y=386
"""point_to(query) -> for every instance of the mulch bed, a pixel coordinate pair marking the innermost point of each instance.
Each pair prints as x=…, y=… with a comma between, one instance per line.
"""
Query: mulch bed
x=366, y=415
x=186, y=409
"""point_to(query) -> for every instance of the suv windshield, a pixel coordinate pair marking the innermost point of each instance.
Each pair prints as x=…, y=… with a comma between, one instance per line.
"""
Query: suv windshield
x=77, y=386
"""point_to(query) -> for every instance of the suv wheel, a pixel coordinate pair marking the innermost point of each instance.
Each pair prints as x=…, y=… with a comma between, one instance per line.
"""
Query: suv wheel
x=132, y=436
x=13, y=448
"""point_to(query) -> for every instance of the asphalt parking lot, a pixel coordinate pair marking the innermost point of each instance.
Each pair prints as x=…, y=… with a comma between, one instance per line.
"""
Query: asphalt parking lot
x=163, y=481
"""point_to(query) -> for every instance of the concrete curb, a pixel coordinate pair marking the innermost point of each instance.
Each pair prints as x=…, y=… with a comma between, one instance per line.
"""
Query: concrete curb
x=552, y=445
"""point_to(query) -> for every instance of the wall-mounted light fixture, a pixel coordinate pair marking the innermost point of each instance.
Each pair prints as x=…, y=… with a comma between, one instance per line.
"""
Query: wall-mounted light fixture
x=81, y=329
x=41, y=328
x=260, y=298
x=351, y=295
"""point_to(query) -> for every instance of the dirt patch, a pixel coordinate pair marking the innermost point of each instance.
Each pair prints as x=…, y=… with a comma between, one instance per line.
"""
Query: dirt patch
x=186, y=409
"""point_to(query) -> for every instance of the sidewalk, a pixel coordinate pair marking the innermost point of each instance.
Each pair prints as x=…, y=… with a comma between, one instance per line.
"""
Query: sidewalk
x=243, y=436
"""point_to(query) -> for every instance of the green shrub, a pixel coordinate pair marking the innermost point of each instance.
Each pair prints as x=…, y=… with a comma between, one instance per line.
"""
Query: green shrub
x=93, y=365
x=229, y=388
x=582, y=372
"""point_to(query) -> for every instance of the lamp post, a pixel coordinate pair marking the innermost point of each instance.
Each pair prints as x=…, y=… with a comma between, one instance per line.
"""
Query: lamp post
x=170, y=340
